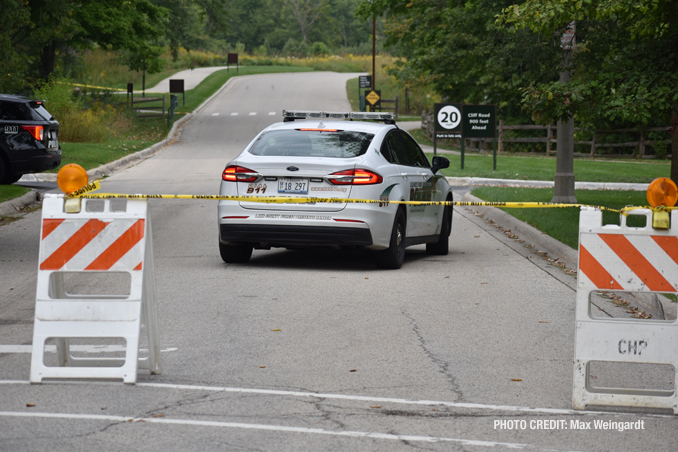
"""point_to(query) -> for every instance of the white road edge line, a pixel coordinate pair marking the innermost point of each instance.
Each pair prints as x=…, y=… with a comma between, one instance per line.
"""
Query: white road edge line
x=234, y=114
x=473, y=406
x=253, y=113
x=278, y=428
x=271, y=113
x=215, y=114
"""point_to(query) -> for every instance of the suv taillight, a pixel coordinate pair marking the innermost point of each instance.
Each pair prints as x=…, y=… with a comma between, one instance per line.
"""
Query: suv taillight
x=234, y=173
x=38, y=132
x=356, y=176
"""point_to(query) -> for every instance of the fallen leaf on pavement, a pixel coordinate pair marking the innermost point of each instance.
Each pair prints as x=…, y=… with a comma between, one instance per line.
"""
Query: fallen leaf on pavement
x=353, y=370
x=516, y=379
x=30, y=404
x=158, y=415
x=277, y=329
x=375, y=406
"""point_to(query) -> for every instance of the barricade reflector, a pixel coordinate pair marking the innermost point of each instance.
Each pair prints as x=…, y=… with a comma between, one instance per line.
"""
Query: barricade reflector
x=85, y=243
x=620, y=258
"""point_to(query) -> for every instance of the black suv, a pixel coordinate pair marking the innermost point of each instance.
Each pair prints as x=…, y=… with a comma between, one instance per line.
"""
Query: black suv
x=28, y=138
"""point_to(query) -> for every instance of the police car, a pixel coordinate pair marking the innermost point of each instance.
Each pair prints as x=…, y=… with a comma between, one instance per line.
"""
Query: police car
x=342, y=156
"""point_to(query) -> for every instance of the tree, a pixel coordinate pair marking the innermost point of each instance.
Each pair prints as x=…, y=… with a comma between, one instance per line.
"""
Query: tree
x=306, y=13
x=625, y=64
x=459, y=49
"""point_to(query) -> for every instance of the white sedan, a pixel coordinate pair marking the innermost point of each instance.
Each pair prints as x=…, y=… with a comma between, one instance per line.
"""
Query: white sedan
x=343, y=156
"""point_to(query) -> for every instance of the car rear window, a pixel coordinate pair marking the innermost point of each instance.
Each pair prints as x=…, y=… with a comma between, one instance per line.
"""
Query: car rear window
x=15, y=111
x=44, y=114
x=312, y=143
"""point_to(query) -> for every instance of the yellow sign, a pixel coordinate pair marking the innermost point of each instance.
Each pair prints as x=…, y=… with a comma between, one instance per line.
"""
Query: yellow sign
x=372, y=97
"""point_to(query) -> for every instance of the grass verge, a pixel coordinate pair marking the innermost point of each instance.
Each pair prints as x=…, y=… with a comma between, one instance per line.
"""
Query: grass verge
x=8, y=192
x=563, y=224
x=544, y=168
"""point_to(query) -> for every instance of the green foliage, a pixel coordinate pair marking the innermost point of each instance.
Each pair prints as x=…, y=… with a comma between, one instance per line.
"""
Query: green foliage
x=458, y=49
x=625, y=65
x=297, y=49
x=319, y=49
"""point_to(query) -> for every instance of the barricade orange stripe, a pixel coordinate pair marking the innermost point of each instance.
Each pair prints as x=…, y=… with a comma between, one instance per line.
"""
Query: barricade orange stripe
x=50, y=225
x=669, y=245
x=600, y=277
x=637, y=262
x=73, y=245
x=119, y=248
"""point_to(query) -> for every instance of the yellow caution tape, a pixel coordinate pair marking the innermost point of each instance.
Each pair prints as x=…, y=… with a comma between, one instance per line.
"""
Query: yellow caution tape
x=108, y=88
x=83, y=193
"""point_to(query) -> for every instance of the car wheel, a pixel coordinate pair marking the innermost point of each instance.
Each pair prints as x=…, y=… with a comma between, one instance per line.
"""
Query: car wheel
x=6, y=177
x=394, y=256
x=442, y=246
x=235, y=254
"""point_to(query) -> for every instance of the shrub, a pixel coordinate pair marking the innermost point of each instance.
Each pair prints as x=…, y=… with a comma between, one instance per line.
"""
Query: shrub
x=319, y=49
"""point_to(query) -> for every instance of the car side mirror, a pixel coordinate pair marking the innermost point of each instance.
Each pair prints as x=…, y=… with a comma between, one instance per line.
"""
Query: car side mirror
x=439, y=163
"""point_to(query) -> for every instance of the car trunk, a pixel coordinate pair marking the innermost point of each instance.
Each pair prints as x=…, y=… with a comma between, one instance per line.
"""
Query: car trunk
x=300, y=177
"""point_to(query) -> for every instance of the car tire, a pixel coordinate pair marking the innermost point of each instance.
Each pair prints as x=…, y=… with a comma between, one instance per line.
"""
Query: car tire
x=394, y=256
x=6, y=177
x=235, y=254
x=442, y=246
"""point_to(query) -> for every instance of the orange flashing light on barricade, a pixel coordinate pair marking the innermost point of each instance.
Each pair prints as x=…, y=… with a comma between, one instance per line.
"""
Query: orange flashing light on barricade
x=662, y=192
x=71, y=178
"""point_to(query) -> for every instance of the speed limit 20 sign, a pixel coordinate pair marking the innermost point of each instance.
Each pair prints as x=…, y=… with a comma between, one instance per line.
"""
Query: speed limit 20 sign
x=448, y=120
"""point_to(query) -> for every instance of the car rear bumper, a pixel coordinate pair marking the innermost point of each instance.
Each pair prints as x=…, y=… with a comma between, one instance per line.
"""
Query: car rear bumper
x=36, y=161
x=276, y=235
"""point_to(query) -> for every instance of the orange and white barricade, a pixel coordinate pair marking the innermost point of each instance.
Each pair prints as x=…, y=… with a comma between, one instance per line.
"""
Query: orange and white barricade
x=80, y=245
x=624, y=259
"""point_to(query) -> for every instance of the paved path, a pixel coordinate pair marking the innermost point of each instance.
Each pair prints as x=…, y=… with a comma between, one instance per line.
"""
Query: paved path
x=191, y=77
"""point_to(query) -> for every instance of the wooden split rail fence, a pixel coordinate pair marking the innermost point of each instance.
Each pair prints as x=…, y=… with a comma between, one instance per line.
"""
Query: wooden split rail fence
x=550, y=139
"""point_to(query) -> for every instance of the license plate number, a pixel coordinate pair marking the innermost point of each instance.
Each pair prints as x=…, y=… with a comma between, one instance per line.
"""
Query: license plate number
x=288, y=185
x=52, y=144
x=11, y=129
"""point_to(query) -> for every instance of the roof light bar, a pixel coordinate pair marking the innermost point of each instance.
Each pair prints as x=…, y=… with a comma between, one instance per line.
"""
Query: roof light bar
x=291, y=115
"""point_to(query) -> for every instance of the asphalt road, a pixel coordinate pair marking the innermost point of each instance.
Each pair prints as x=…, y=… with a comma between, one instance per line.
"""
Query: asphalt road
x=312, y=350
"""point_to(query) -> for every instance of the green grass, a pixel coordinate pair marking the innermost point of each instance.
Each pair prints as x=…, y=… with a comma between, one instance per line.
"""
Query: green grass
x=544, y=168
x=563, y=224
x=8, y=192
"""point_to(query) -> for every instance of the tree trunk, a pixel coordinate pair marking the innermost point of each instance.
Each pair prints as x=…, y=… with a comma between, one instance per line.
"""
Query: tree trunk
x=47, y=59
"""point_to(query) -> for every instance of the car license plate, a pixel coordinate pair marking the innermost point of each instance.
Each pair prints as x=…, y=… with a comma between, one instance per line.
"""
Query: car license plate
x=288, y=185
x=52, y=144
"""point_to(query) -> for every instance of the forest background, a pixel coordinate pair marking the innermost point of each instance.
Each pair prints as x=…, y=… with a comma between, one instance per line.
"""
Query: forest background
x=504, y=52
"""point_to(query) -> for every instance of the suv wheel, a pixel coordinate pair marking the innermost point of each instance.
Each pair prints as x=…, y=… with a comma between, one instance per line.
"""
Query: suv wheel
x=442, y=246
x=235, y=254
x=394, y=256
x=6, y=177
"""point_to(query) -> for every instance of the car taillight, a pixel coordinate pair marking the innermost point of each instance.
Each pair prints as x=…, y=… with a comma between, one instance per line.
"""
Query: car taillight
x=234, y=173
x=355, y=177
x=37, y=131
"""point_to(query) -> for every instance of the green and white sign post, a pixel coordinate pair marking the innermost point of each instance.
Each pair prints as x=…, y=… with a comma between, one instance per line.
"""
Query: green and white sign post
x=479, y=121
x=447, y=124
x=465, y=121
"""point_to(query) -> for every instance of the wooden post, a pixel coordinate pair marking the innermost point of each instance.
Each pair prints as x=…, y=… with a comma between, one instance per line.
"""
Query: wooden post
x=641, y=145
x=548, y=139
x=593, y=144
x=500, y=146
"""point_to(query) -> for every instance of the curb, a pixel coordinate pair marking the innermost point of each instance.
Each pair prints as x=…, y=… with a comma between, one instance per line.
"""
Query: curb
x=540, y=240
x=545, y=184
x=14, y=205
